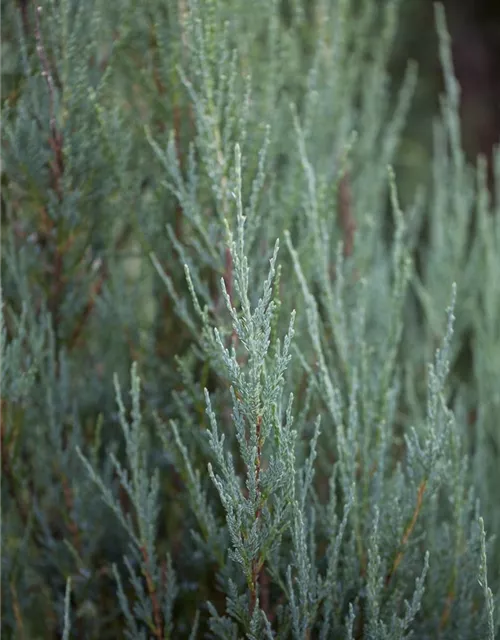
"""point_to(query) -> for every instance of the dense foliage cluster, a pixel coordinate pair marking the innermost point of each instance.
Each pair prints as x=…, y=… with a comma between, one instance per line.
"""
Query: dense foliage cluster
x=199, y=205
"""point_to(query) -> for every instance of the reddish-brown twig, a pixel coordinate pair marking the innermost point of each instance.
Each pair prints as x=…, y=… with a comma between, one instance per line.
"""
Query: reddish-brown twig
x=408, y=531
x=157, y=616
x=346, y=214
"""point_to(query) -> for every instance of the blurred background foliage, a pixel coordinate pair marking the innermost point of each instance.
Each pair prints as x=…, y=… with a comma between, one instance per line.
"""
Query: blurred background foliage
x=475, y=31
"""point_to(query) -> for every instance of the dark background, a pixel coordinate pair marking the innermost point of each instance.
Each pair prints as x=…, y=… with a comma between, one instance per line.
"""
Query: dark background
x=475, y=32
x=474, y=27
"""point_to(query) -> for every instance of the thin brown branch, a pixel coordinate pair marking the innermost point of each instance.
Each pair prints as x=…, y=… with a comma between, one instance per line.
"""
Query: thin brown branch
x=408, y=531
x=84, y=316
x=7, y=472
x=447, y=610
x=265, y=601
x=23, y=10
x=257, y=564
x=346, y=214
x=17, y=613
x=56, y=166
x=157, y=616
x=55, y=138
x=70, y=506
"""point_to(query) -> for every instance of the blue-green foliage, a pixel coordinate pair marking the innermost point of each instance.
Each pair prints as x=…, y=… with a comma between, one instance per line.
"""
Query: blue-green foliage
x=200, y=195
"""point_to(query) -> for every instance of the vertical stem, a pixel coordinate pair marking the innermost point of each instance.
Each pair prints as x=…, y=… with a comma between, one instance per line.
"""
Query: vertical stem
x=408, y=531
x=256, y=563
x=157, y=617
x=7, y=471
x=345, y=214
